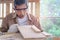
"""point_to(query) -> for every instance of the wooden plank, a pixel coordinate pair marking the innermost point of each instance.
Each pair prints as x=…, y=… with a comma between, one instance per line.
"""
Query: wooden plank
x=11, y=36
x=0, y=1
x=8, y=1
x=28, y=0
x=31, y=7
x=56, y=38
x=1, y=17
x=7, y=8
x=12, y=7
x=34, y=0
x=37, y=11
x=2, y=10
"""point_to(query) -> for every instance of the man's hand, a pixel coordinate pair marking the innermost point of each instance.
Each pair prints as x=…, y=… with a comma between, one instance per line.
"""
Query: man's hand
x=13, y=28
x=35, y=29
x=1, y=33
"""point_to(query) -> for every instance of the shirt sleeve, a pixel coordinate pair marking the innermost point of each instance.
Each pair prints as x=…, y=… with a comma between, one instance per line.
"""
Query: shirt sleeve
x=4, y=26
x=36, y=22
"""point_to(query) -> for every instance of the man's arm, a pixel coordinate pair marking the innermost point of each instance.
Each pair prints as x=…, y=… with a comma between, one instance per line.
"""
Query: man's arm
x=36, y=22
x=4, y=26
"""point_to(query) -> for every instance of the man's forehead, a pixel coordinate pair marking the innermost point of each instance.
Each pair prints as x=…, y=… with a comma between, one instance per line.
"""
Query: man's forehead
x=21, y=6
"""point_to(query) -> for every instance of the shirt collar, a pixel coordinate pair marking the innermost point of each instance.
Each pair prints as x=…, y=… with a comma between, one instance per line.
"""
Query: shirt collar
x=15, y=15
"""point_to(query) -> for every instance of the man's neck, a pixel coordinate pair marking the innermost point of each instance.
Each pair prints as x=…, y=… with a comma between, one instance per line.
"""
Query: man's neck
x=22, y=16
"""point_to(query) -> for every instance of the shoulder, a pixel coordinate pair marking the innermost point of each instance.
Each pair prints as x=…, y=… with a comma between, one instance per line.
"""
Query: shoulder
x=9, y=16
x=32, y=16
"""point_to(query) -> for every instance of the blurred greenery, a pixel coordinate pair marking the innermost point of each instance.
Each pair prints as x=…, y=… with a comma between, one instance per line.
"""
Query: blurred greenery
x=51, y=25
x=50, y=16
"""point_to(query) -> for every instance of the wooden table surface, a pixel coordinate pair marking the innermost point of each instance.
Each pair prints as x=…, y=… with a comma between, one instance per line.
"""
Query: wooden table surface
x=15, y=36
x=26, y=33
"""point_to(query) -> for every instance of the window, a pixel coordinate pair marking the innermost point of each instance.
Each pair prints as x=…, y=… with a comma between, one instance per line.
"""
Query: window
x=50, y=16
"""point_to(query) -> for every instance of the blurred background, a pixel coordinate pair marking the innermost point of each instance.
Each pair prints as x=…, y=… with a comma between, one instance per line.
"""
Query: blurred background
x=50, y=16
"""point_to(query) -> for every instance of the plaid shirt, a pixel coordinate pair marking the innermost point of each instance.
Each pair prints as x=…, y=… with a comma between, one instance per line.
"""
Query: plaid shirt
x=11, y=19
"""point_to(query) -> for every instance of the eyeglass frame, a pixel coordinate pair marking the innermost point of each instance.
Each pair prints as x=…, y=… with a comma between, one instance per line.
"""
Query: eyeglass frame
x=21, y=8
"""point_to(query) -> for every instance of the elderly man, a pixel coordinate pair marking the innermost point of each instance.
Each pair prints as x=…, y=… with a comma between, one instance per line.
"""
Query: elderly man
x=21, y=17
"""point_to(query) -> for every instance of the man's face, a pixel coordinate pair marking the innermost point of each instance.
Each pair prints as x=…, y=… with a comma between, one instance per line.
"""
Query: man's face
x=21, y=10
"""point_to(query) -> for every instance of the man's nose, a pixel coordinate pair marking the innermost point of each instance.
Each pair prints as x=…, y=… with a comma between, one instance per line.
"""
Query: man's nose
x=21, y=11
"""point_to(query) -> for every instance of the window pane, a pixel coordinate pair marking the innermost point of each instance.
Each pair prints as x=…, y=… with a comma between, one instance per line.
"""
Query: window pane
x=4, y=9
x=50, y=16
x=0, y=10
x=10, y=7
x=0, y=22
x=51, y=25
x=50, y=8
